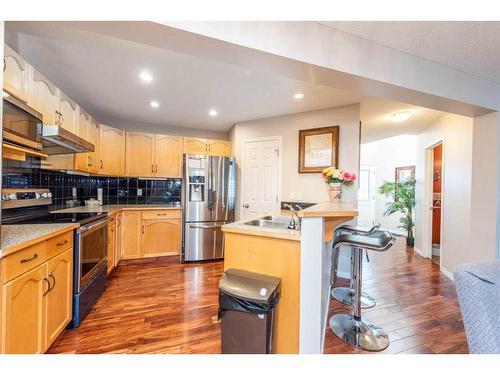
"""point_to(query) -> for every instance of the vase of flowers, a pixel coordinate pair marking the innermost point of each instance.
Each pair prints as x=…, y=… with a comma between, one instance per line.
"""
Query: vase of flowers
x=336, y=178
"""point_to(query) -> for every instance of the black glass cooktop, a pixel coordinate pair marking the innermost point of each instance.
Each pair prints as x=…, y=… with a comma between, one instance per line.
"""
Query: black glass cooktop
x=56, y=218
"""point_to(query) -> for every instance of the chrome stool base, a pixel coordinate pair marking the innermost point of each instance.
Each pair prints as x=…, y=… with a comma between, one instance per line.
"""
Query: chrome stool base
x=345, y=296
x=359, y=333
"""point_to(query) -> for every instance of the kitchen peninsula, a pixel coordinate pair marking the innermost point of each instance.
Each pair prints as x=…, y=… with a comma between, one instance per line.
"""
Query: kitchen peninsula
x=302, y=259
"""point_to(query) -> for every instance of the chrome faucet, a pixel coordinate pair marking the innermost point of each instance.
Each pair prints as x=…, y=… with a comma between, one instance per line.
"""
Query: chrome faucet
x=295, y=220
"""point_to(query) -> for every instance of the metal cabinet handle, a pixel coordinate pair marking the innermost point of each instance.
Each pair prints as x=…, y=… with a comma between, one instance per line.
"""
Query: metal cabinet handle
x=156, y=169
x=4, y=64
x=29, y=259
x=48, y=285
x=246, y=205
x=143, y=229
x=101, y=164
x=152, y=168
x=51, y=275
x=62, y=243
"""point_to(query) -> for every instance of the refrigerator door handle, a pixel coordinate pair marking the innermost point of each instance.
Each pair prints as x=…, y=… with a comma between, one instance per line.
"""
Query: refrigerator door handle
x=205, y=226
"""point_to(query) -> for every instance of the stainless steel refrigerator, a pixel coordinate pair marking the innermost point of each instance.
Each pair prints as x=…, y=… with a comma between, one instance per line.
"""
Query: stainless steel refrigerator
x=208, y=198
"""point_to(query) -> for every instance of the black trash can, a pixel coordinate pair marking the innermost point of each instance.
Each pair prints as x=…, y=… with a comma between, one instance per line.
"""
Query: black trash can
x=246, y=309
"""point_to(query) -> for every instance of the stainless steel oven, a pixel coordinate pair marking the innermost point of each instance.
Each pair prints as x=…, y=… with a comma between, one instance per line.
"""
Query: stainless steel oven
x=22, y=125
x=91, y=248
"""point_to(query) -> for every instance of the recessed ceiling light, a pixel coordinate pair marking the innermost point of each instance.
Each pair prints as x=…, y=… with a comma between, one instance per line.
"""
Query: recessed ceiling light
x=146, y=77
x=154, y=104
x=401, y=116
x=298, y=95
x=212, y=113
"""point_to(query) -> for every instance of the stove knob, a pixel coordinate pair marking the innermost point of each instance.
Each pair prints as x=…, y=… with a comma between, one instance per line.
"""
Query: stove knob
x=38, y=195
x=12, y=196
x=5, y=197
x=49, y=194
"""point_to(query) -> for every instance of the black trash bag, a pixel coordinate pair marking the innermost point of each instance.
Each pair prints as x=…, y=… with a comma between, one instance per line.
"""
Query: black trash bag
x=227, y=302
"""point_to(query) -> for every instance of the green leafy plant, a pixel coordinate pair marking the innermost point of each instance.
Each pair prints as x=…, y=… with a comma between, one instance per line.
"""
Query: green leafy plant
x=402, y=196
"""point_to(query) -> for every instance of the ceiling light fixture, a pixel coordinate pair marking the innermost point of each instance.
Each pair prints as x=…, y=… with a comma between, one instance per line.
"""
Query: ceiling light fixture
x=298, y=95
x=401, y=116
x=154, y=104
x=212, y=113
x=146, y=77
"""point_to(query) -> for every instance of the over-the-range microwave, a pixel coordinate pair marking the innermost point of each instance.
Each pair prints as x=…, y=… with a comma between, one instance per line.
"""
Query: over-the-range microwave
x=22, y=125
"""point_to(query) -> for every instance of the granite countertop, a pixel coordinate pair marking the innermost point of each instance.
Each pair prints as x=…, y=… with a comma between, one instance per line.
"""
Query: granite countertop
x=241, y=227
x=112, y=208
x=17, y=237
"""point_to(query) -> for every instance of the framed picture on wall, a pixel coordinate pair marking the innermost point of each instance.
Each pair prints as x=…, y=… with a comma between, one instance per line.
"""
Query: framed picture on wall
x=318, y=149
x=404, y=173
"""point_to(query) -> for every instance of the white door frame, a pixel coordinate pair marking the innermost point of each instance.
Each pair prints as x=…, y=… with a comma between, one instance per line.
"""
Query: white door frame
x=428, y=188
x=278, y=138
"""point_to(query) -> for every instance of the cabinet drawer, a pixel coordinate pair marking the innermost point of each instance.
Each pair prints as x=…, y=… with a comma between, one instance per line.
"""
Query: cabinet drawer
x=59, y=244
x=161, y=214
x=24, y=260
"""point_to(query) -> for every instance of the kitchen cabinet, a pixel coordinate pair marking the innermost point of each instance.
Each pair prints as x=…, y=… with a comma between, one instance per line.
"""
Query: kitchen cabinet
x=82, y=159
x=140, y=158
x=43, y=96
x=15, y=74
x=68, y=113
x=207, y=147
x=111, y=243
x=93, y=137
x=150, y=233
x=161, y=237
x=118, y=238
x=60, y=298
x=111, y=151
x=36, y=294
x=24, y=316
x=131, y=230
x=219, y=148
x=153, y=155
x=168, y=156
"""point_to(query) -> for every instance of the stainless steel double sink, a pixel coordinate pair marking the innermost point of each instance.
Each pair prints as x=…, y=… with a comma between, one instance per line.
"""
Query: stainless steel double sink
x=279, y=222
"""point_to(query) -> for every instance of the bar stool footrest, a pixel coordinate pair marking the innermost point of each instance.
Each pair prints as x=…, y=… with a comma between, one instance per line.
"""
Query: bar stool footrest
x=345, y=296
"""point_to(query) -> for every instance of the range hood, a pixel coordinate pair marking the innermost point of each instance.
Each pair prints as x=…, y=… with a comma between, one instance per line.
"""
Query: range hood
x=57, y=141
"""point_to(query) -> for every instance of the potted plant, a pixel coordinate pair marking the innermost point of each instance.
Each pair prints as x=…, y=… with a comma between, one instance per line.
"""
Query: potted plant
x=403, y=201
x=335, y=178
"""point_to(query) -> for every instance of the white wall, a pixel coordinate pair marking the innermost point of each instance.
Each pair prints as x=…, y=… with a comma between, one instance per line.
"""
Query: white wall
x=457, y=132
x=307, y=187
x=385, y=155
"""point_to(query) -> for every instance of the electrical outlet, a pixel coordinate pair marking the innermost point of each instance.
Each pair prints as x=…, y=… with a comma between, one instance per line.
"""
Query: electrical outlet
x=139, y=192
x=74, y=192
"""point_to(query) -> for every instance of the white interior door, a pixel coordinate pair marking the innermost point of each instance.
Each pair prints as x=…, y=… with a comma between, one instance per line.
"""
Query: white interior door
x=260, y=177
x=366, y=196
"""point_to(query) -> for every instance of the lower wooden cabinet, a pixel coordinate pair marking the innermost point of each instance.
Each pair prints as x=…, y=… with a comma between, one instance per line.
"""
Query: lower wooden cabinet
x=37, y=306
x=150, y=233
x=59, y=299
x=111, y=244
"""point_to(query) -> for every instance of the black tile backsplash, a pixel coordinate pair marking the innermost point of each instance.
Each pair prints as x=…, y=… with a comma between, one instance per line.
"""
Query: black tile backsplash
x=116, y=190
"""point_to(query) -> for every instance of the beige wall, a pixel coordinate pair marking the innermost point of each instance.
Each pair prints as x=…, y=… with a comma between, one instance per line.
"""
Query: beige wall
x=307, y=187
x=457, y=132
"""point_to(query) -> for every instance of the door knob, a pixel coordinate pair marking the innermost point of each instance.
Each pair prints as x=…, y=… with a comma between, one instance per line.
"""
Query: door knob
x=246, y=205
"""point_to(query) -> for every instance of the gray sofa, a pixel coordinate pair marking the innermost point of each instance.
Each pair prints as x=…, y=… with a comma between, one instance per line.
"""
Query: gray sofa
x=478, y=289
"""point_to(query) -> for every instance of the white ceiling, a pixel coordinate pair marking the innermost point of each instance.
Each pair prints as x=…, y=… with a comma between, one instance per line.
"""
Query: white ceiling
x=472, y=47
x=377, y=121
x=100, y=72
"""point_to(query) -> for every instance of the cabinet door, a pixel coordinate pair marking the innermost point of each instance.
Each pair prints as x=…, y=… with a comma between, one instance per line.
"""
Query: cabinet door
x=118, y=238
x=43, y=96
x=195, y=146
x=140, y=149
x=168, y=156
x=111, y=151
x=93, y=137
x=24, y=311
x=219, y=148
x=161, y=237
x=131, y=234
x=15, y=74
x=111, y=244
x=69, y=113
x=82, y=161
x=60, y=297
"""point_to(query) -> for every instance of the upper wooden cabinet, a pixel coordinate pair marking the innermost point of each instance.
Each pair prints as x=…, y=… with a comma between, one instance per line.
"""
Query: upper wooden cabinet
x=93, y=137
x=111, y=151
x=15, y=74
x=140, y=150
x=68, y=113
x=207, y=147
x=43, y=96
x=153, y=155
x=82, y=160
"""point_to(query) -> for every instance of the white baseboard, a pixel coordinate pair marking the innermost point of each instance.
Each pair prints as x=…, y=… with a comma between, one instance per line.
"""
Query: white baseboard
x=419, y=252
x=447, y=273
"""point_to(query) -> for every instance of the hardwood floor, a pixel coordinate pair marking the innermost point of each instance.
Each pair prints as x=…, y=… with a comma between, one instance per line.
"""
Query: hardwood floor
x=161, y=306
x=416, y=305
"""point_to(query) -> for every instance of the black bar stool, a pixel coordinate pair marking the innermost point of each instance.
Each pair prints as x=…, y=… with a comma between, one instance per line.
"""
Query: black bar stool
x=345, y=294
x=351, y=328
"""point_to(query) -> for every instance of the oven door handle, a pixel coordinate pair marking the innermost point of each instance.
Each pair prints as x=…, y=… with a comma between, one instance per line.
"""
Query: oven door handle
x=98, y=224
